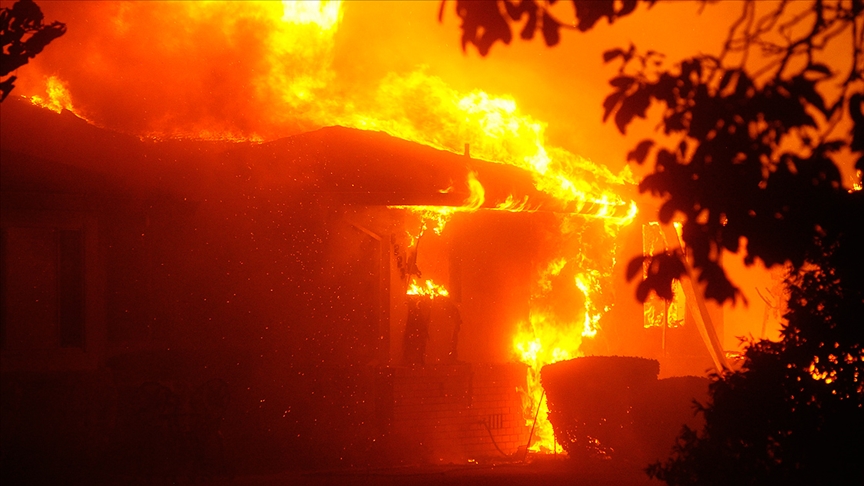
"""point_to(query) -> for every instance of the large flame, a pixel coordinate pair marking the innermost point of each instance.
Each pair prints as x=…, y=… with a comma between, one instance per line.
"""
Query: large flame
x=543, y=339
x=423, y=108
x=555, y=331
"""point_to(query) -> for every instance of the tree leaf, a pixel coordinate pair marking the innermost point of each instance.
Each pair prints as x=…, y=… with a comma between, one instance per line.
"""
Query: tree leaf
x=627, y=7
x=856, y=113
x=622, y=81
x=550, y=30
x=482, y=25
x=530, y=26
x=667, y=212
x=588, y=12
x=642, y=291
x=516, y=10
x=612, y=54
x=726, y=78
x=635, y=267
x=639, y=153
x=633, y=105
x=611, y=102
x=819, y=68
x=22, y=19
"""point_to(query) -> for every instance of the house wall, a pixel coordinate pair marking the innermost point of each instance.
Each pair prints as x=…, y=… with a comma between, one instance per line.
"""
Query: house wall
x=456, y=413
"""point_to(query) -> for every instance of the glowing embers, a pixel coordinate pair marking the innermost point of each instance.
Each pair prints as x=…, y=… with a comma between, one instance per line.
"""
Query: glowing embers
x=828, y=373
x=659, y=312
x=429, y=289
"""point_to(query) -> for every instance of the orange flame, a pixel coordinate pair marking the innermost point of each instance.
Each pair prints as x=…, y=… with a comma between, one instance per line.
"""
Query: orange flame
x=324, y=14
x=658, y=312
x=440, y=215
x=429, y=289
x=58, y=97
x=547, y=338
x=422, y=108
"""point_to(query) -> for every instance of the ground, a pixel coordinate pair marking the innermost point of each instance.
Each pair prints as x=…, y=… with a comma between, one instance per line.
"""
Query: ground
x=539, y=472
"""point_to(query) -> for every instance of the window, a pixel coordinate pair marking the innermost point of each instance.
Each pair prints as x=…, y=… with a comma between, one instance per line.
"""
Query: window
x=47, y=290
x=43, y=288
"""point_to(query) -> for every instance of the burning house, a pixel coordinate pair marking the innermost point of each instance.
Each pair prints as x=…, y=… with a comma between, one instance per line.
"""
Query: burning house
x=324, y=278
x=345, y=295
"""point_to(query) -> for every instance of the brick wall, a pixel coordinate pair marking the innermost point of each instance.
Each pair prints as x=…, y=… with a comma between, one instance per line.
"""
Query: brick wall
x=455, y=413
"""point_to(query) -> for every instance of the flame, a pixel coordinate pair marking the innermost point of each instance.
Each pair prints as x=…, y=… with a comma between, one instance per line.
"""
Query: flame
x=325, y=14
x=283, y=53
x=58, y=97
x=429, y=289
x=422, y=108
x=543, y=339
x=236, y=71
x=496, y=131
x=658, y=312
x=587, y=284
x=303, y=38
x=440, y=215
x=512, y=205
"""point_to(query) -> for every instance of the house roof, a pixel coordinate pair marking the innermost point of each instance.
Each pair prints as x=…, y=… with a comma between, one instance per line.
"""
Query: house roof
x=45, y=151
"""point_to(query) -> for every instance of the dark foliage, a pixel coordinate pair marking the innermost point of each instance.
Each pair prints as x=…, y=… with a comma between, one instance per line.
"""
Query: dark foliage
x=22, y=37
x=487, y=22
x=754, y=158
x=793, y=414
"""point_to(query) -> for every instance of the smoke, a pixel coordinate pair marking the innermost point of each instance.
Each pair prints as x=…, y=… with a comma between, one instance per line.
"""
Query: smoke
x=237, y=70
x=188, y=69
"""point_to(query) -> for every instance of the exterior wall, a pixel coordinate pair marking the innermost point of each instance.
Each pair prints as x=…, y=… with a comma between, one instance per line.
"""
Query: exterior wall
x=459, y=412
x=499, y=403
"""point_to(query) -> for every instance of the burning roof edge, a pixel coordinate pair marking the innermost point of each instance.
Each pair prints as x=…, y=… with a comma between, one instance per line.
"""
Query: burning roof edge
x=357, y=166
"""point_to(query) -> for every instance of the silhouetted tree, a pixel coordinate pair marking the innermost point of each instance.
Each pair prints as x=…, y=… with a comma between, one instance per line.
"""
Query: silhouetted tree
x=22, y=37
x=793, y=413
x=756, y=132
x=755, y=138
